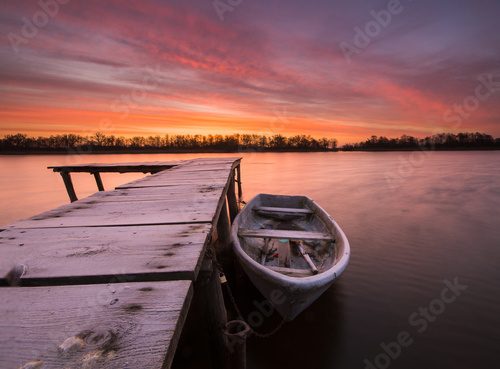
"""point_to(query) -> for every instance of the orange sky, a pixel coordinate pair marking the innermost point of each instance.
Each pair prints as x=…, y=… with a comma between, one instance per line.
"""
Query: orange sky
x=170, y=67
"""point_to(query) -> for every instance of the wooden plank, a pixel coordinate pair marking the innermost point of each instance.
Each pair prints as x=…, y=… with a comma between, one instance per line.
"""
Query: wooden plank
x=291, y=271
x=152, y=181
x=99, y=214
x=213, y=160
x=109, y=326
x=270, y=209
x=102, y=254
x=284, y=234
x=284, y=252
x=185, y=175
x=202, y=168
x=173, y=193
x=141, y=167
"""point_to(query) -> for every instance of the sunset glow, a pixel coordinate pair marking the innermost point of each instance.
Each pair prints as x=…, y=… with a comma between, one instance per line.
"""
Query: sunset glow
x=344, y=69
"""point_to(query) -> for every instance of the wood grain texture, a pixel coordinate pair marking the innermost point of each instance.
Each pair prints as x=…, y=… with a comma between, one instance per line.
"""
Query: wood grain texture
x=141, y=167
x=103, y=254
x=109, y=326
x=194, y=172
x=166, y=178
x=156, y=230
x=290, y=235
x=99, y=214
x=172, y=193
x=270, y=209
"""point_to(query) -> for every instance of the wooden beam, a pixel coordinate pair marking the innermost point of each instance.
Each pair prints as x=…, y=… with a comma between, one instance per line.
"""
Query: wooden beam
x=98, y=181
x=270, y=209
x=224, y=228
x=141, y=167
x=231, y=198
x=290, y=235
x=293, y=272
x=238, y=180
x=69, y=186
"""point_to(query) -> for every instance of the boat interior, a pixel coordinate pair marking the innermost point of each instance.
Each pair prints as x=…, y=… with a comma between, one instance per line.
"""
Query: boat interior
x=287, y=235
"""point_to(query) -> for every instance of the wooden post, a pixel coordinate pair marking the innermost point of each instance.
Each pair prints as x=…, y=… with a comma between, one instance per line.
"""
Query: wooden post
x=238, y=179
x=223, y=230
x=69, y=186
x=231, y=199
x=216, y=312
x=98, y=180
x=236, y=333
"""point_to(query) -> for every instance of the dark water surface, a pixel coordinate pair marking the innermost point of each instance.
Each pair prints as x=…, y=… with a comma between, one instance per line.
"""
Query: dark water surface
x=413, y=220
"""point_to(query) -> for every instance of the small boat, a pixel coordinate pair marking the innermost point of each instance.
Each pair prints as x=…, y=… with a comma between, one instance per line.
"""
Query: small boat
x=290, y=248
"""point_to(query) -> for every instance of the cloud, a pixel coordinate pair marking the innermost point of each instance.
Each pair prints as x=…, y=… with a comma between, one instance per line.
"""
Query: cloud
x=265, y=57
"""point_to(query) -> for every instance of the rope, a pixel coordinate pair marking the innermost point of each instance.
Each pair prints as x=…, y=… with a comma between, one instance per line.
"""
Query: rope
x=235, y=305
x=240, y=316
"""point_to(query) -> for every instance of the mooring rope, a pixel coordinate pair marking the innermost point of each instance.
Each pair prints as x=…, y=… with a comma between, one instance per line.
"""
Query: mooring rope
x=224, y=282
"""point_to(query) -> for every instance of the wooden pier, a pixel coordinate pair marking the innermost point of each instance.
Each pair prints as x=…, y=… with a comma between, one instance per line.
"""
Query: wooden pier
x=107, y=281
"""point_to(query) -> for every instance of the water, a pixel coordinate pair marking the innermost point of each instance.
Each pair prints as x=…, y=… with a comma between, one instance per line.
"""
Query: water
x=413, y=221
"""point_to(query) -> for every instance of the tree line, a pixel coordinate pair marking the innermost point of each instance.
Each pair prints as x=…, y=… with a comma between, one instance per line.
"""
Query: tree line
x=167, y=143
x=99, y=142
x=441, y=141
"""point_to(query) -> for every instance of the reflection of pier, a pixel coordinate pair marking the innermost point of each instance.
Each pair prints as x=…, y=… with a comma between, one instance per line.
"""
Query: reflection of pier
x=107, y=281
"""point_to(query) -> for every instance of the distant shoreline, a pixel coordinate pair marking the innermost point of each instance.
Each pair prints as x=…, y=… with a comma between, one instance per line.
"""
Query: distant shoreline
x=99, y=143
x=145, y=151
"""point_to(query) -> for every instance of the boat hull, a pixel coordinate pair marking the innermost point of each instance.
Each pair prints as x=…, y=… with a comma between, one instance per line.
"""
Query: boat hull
x=291, y=295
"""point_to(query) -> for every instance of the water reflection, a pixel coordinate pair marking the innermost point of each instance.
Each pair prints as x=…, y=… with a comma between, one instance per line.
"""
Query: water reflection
x=441, y=221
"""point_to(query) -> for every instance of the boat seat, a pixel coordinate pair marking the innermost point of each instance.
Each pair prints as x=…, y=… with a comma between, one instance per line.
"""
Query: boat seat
x=270, y=209
x=291, y=271
x=284, y=234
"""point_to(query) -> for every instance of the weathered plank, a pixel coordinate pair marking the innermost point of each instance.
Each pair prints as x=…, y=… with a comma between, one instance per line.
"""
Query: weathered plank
x=290, y=235
x=177, y=193
x=270, y=209
x=292, y=272
x=103, y=254
x=99, y=214
x=112, y=326
x=188, y=174
x=141, y=167
x=175, y=179
x=202, y=168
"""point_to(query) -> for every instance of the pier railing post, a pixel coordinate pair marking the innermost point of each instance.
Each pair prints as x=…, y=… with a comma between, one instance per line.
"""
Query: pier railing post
x=98, y=181
x=69, y=186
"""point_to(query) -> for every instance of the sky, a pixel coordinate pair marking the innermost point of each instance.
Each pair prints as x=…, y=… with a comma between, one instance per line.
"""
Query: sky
x=347, y=69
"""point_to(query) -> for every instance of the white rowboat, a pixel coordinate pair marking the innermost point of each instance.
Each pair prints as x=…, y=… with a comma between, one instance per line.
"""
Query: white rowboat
x=291, y=250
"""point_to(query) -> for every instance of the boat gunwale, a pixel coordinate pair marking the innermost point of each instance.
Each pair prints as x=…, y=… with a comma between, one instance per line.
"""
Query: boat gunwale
x=303, y=282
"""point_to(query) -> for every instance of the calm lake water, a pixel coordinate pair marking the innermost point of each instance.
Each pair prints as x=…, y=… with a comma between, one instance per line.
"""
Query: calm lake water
x=413, y=220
